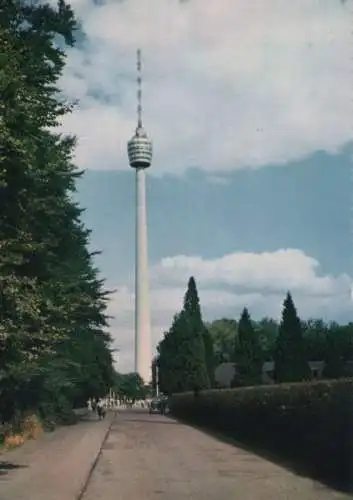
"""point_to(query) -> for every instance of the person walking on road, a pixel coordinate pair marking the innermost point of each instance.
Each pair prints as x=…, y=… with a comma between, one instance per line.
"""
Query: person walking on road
x=100, y=409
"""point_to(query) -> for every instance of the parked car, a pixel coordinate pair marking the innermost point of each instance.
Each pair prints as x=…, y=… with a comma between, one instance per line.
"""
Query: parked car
x=155, y=406
x=159, y=405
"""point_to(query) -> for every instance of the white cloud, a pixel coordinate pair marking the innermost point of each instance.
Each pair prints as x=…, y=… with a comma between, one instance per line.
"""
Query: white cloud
x=277, y=271
x=228, y=84
x=226, y=285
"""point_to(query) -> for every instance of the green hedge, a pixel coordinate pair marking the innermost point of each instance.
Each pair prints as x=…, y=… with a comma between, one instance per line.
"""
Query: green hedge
x=308, y=422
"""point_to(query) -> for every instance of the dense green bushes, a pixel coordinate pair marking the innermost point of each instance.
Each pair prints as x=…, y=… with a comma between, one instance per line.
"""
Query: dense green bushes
x=310, y=423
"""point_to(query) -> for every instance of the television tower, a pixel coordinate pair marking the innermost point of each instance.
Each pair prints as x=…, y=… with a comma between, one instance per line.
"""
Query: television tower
x=140, y=157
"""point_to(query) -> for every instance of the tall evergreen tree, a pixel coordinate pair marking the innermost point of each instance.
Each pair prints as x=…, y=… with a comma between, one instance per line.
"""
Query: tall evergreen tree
x=193, y=311
x=182, y=354
x=248, y=355
x=170, y=361
x=190, y=359
x=155, y=374
x=290, y=354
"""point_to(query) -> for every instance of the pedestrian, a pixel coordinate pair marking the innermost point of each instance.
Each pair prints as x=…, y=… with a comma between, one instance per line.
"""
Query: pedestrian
x=100, y=409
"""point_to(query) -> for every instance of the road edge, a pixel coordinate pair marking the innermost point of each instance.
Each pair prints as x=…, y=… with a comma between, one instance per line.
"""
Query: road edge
x=84, y=487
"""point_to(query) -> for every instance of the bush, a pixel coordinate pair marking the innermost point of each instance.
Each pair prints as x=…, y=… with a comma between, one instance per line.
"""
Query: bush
x=57, y=411
x=309, y=422
x=32, y=427
x=20, y=430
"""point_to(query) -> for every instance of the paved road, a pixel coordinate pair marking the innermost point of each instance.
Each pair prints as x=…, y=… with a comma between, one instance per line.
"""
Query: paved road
x=151, y=457
x=137, y=456
x=54, y=467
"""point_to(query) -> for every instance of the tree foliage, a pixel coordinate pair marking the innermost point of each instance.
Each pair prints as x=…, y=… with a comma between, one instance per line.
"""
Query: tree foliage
x=54, y=349
x=291, y=364
x=324, y=341
x=193, y=311
x=248, y=354
x=154, y=372
x=339, y=349
x=183, y=359
x=130, y=386
x=292, y=344
x=223, y=333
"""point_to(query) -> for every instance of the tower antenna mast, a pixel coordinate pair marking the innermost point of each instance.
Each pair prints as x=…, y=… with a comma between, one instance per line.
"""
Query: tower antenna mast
x=139, y=90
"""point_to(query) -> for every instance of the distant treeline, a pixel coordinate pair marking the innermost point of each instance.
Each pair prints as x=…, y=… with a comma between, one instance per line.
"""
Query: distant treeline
x=191, y=349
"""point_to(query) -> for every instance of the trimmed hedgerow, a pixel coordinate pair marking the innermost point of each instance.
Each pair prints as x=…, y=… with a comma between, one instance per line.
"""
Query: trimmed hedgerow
x=309, y=422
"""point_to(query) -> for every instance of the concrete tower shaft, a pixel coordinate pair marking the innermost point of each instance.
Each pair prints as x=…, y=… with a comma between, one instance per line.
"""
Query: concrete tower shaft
x=143, y=354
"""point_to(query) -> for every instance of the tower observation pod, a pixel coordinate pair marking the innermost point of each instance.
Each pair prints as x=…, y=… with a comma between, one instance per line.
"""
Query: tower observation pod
x=139, y=150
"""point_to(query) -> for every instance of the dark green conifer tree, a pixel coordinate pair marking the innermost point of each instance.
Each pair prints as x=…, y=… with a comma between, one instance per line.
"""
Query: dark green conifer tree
x=182, y=353
x=248, y=355
x=290, y=360
x=193, y=311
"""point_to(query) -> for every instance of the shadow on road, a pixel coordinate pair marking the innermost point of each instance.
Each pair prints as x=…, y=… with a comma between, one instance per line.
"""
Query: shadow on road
x=288, y=463
x=6, y=467
x=152, y=421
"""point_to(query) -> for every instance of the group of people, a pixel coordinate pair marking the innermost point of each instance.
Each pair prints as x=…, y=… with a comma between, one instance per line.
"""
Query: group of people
x=98, y=407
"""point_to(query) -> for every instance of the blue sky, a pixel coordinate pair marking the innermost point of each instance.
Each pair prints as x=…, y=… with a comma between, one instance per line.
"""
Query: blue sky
x=250, y=188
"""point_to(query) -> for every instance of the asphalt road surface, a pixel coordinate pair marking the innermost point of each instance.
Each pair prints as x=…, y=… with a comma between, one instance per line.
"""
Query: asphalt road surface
x=56, y=466
x=152, y=457
x=137, y=456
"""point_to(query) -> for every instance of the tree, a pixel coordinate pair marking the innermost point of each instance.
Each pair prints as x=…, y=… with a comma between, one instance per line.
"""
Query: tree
x=290, y=357
x=267, y=330
x=339, y=349
x=191, y=362
x=223, y=332
x=193, y=311
x=182, y=356
x=248, y=354
x=315, y=333
x=154, y=371
x=54, y=348
x=168, y=358
x=209, y=355
x=130, y=386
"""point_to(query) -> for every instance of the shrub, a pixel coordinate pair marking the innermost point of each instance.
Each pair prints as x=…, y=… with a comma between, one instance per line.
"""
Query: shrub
x=32, y=427
x=20, y=430
x=309, y=422
x=57, y=411
x=13, y=440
